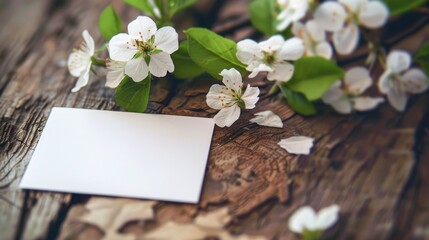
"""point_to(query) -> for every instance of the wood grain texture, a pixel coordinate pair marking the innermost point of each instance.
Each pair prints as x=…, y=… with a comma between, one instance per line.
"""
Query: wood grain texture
x=374, y=165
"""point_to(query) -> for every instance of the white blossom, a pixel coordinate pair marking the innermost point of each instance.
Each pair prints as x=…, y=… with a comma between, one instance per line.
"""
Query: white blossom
x=229, y=98
x=345, y=96
x=115, y=74
x=314, y=39
x=297, y=144
x=290, y=11
x=398, y=80
x=305, y=219
x=268, y=119
x=79, y=62
x=145, y=49
x=344, y=18
x=270, y=56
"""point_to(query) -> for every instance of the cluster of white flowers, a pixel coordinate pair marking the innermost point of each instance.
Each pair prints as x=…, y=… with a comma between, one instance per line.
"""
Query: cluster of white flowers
x=144, y=50
x=398, y=80
x=343, y=96
x=344, y=17
x=229, y=98
x=314, y=39
x=270, y=56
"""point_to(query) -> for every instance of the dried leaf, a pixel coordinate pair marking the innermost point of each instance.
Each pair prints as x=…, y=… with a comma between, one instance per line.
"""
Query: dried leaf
x=178, y=231
x=268, y=119
x=297, y=144
x=109, y=215
x=205, y=225
x=215, y=219
x=226, y=236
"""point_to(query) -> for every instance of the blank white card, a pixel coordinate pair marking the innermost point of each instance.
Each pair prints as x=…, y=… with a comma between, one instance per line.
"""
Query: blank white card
x=121, y=154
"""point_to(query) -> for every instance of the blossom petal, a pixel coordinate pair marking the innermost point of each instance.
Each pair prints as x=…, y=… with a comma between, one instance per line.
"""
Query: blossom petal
x=346, y=39
x=357, y=80
x=83, y=79
x=260, y=67
x=227, y=116
x=232, y=79
x=268, y=119
x=367, y=103
x=301, y=218
x=284, y=23
x=272, y=44
x=352, y=5
x=122, y=47
x=250, y=97
x=292, y=11
x=398, y=61
x=78, y=62
x=297, y=144
x=291, y=50
x=295, y=9
x=137, y=69
x=142, y=28
x=415, y=81
x=324, y=49
x=166, y=39
x=115, y=74
x=298, y=29
x=330, y=15
x=397, y=98
x=282, y=72
x=334, y=93
x=218, y=97
x=373, y=14
x=327, y=217
x=248, y=50
x=383, y=82
x=89, y=42
x=337, y=98
x=315, y=30
x=343, y=105
x=160, y=63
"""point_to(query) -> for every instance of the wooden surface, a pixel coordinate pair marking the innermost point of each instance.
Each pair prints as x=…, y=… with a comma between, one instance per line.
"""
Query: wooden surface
x=374, y=165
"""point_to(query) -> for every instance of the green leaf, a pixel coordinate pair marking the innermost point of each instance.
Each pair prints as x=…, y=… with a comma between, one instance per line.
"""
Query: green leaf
x=422, y=57
x=133, y=96
x=398, y=7
x=184, y=67
x=182, y=4
x=298, y=102
x=263, y=16
x=212, y=52
x=142, y=5
x=313, y=76
x=109, y=23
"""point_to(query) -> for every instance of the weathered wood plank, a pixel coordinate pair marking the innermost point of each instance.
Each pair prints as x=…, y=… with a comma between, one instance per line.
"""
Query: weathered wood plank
x=36, y=84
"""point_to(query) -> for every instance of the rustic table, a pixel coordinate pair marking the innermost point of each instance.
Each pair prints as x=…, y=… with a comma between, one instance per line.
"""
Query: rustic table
x=374, y=165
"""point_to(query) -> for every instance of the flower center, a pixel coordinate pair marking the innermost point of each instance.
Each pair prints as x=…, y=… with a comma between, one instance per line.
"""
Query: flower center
x=145, y=47
x=269, y=58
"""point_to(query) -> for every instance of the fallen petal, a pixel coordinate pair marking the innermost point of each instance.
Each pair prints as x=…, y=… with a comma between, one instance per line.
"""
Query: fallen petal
x=297, y=144
x=268, y=119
